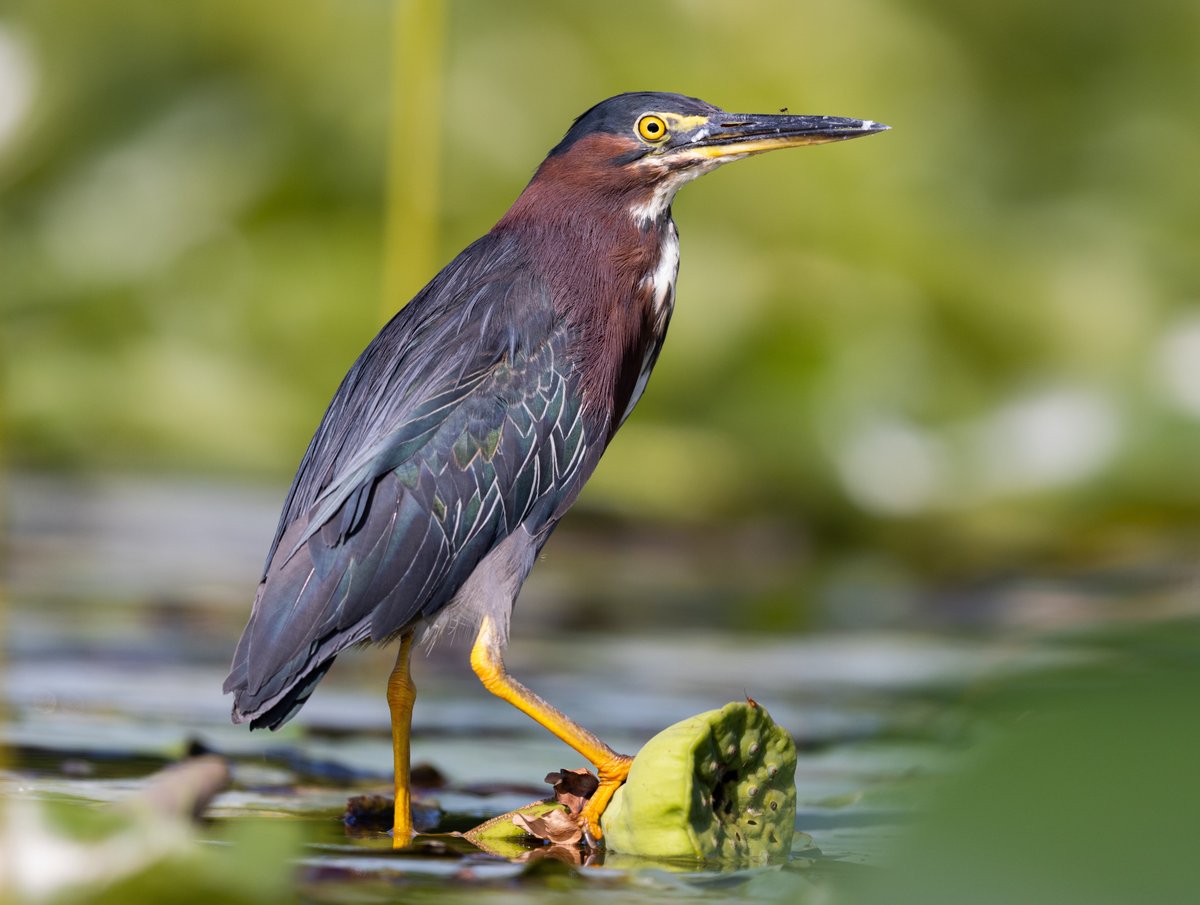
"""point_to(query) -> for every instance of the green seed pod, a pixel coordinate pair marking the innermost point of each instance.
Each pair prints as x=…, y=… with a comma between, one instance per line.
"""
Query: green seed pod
x=719, y=785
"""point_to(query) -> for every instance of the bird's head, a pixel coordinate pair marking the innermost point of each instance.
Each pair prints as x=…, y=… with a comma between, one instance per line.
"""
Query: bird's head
x=639, y=148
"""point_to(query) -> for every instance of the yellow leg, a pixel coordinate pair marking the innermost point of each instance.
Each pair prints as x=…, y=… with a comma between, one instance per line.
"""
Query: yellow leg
x=611, y=767
x=401, y=693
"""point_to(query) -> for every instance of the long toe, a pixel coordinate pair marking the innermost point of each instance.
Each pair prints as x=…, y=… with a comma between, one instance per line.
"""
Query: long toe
x=612, y=775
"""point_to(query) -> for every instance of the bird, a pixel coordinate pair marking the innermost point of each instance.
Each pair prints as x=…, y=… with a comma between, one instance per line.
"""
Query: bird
x=466, y=429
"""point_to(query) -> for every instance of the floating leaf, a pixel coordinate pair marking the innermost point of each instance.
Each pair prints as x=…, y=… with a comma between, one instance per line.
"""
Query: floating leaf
x=503, y=835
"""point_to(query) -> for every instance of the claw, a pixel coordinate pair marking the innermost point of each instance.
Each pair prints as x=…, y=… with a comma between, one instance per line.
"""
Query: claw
x=590, y=840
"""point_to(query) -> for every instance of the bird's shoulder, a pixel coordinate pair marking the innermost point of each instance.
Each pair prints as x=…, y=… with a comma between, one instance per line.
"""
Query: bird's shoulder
x=479, y=349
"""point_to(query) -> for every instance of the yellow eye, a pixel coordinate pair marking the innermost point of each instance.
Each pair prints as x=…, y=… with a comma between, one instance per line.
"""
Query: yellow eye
x=652, y=128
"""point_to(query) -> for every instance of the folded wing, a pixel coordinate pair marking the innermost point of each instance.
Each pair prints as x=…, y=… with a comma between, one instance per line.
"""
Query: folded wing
x=458, y=425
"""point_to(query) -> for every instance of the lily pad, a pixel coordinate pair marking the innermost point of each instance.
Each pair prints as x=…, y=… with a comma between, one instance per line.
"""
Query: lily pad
x=717, y=786
x=508, y=835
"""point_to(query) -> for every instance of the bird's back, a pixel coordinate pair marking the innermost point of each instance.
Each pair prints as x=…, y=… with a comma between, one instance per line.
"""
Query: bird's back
x=460, y=424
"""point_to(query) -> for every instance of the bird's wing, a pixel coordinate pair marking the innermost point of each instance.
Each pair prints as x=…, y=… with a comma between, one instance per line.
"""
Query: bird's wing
x=457, y=425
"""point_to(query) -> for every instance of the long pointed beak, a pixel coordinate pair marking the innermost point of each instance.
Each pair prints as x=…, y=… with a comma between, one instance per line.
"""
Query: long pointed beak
x=731, y=135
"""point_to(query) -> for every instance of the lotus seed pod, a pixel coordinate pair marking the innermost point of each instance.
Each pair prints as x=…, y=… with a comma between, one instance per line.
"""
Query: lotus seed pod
x=719, y=785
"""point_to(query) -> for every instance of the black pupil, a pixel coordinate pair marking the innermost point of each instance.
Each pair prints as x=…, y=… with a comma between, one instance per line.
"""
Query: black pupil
x=652, y=127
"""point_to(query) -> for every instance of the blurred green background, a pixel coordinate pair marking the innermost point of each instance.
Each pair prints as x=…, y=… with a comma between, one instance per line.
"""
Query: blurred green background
x=965, y=349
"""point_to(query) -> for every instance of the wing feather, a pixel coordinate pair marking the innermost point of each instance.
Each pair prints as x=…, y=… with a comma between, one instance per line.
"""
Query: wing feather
x=449, y=433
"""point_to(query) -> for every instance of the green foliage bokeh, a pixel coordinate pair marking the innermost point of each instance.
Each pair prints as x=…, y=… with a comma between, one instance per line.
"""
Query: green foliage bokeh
x=975, y=339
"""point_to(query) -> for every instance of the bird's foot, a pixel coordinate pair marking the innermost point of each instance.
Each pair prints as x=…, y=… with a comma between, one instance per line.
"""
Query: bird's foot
x=612, y=774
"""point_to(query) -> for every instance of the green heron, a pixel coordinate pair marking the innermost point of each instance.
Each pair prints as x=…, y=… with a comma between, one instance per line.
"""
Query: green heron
x=469, y=425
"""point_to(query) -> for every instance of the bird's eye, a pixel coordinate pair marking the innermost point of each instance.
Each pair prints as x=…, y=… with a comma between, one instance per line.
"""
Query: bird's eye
x=652, y=128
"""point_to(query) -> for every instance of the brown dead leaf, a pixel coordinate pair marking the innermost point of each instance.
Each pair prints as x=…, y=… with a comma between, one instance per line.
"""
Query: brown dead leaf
x=573, y=788
x=557, y=827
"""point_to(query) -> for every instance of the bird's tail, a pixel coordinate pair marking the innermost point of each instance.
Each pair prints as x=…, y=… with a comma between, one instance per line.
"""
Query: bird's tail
x=272, y=712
